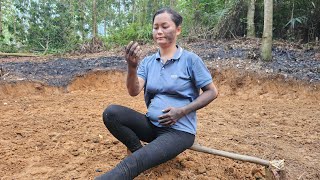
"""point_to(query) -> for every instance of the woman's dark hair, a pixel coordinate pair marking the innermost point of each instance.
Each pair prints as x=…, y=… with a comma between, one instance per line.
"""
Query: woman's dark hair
x=175, y=17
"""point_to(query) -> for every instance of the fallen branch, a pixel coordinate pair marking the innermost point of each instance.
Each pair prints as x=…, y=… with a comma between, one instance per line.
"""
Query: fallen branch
x=19, y=54
x=274, y=169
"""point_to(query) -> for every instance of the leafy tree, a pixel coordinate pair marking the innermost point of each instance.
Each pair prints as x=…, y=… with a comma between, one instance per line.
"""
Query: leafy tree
x=62, y=25
x=49, y=26
x=293, y=19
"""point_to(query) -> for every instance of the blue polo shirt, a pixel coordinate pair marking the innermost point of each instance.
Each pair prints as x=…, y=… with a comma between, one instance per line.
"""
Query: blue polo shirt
x=175, y=83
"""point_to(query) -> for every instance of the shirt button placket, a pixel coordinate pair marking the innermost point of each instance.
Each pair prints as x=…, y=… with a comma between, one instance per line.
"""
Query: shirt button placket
x=162, y=68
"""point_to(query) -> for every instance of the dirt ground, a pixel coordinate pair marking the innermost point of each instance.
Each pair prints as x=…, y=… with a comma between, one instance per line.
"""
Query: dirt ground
x=58, y=133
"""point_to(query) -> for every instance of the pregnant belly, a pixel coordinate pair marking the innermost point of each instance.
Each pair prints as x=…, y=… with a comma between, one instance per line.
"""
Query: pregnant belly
x=161, y=102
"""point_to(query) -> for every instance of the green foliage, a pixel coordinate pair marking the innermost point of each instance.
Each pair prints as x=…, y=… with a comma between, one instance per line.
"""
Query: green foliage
x=201, y=17
x=9, y=48
x=293, y=19
x=132, y=32
x=296, y=20
x=49, y=29
x=58, y=26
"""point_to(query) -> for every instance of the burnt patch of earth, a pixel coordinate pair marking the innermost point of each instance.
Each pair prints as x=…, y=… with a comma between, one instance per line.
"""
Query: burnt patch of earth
x=58, y=72
x=291, y=61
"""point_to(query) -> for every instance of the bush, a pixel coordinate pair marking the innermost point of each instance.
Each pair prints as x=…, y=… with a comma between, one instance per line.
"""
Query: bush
x=8, y=48
x=132, y=32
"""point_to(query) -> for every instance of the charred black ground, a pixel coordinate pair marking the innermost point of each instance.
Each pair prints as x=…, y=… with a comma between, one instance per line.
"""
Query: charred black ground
x=290, y=61
x=58, y=72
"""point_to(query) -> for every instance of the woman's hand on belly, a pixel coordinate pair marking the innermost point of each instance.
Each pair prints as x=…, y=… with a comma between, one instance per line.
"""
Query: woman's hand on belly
x=171, y=116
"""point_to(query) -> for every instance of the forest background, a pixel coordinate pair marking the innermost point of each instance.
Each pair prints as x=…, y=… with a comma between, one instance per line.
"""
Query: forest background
x=66, y=26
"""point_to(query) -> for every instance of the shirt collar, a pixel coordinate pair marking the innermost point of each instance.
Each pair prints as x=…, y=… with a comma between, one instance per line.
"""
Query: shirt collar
x=176, y=55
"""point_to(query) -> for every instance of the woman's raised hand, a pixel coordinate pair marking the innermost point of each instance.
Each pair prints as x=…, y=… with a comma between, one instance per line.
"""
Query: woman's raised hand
x=132, y=54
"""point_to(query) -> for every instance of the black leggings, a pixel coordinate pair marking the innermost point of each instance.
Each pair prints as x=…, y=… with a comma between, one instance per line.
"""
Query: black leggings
x=129, y=127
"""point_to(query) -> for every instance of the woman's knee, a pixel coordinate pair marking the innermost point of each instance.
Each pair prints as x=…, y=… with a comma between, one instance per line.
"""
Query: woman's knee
x=110, y=113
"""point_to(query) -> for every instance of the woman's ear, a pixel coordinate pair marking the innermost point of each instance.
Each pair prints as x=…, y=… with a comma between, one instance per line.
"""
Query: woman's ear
x=178, y=30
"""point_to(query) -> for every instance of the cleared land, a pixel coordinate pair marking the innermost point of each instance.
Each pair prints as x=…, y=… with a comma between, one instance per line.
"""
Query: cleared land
x=51, y=133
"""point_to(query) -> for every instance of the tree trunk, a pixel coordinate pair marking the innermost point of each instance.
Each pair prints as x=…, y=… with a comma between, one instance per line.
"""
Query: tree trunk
x=73, y=19
x=250, y=19
x=119, y=7
x=105, y=27
x=14, y=25
x=119, y=20
x=94, y=19
x=143, y=13
x=81, y=29
x=133, y=10
x=0, y=19
x=106, y=18
x=124, y=6
x=18, y=54
x=266, y=46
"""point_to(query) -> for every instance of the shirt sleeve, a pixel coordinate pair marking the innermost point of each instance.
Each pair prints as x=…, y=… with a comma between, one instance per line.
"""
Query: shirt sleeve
x=201, y=74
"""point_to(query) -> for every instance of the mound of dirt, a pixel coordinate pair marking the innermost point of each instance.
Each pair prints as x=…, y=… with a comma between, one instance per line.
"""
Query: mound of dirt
x=54, y=133
x=51, y=125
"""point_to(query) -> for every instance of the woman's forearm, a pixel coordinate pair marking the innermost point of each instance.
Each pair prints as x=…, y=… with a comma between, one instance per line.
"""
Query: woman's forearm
x=204, y=99
x=133, y=84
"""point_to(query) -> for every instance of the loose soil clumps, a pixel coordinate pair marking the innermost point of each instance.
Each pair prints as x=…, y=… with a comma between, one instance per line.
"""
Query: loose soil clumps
x=51, y=124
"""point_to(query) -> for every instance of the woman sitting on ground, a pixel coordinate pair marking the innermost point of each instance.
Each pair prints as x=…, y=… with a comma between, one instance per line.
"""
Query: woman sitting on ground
x=171, y=79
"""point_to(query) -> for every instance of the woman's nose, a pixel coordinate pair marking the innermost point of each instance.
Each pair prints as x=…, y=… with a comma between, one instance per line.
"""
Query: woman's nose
x=159, y=31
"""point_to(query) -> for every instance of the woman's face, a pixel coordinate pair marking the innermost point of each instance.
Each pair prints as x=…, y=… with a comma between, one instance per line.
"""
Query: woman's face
x=165, y=31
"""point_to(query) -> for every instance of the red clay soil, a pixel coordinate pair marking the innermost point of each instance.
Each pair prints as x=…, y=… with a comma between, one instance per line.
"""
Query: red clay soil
x=49, y=133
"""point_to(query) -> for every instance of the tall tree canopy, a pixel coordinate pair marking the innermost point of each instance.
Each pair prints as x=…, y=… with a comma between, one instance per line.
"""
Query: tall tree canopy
x=58, y=26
